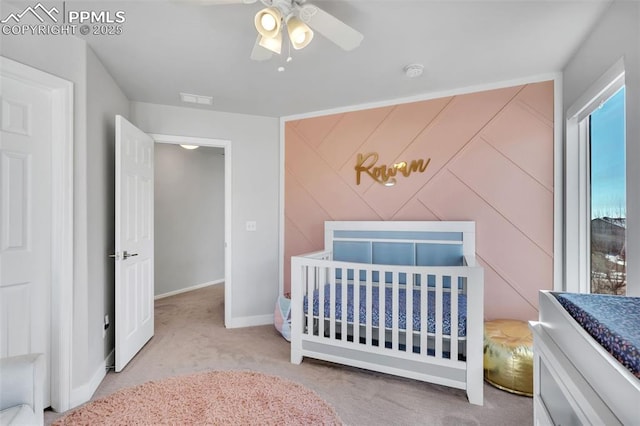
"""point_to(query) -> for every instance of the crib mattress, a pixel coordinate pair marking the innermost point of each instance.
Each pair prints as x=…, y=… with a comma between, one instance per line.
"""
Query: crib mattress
x=613, y=321
x=388, y=302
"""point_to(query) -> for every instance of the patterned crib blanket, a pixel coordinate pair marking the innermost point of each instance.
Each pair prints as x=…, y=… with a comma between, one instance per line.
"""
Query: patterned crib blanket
x=388, y=302
x=613, y=321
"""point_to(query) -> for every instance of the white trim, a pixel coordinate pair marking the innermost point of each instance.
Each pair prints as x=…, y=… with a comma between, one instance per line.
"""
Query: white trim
x=604, y=84
x=571, y=202
x=188, y=289
x=577, y=211
x=559, y=251
x=584, y=199
x=281, y=218
x=253, y=321
x=427, y=96
x=85, y=392
x=558, y=187
x=228, y=249
x=62, y=224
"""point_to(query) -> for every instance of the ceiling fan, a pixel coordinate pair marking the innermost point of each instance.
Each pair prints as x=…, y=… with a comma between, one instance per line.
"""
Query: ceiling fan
x=300, y=20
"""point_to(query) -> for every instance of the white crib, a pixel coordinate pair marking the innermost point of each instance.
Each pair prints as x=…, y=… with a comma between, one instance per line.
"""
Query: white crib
x=412, y=305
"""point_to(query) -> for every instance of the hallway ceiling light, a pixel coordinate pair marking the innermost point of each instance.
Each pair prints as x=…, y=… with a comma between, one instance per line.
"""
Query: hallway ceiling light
x=190, y=146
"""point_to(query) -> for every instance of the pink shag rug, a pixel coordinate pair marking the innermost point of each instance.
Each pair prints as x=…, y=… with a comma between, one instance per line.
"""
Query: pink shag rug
x=212, y=398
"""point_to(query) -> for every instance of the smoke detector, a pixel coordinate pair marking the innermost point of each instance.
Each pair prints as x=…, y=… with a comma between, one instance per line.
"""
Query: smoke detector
x=414, y=70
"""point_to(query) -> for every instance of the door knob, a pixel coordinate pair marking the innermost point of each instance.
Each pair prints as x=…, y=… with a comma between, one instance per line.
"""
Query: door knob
x=126, y=255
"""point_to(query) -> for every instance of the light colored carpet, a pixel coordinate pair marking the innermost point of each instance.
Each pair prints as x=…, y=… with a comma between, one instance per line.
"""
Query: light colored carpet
x=213, y=398
x=190, y=337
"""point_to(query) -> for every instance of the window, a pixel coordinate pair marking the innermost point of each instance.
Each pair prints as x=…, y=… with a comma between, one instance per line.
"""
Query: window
x=595, y=189
x=607, y=185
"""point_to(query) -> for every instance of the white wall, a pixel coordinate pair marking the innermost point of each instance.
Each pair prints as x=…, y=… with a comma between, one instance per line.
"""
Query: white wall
x=189, y=217
x=104, y=101
x=255, y=191
x=617, y=35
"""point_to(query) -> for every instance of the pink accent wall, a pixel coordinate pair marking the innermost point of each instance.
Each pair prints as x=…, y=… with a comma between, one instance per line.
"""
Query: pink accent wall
x=491, y=161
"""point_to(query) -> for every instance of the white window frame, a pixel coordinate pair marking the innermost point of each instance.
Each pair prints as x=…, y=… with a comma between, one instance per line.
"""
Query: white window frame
x=577, y=218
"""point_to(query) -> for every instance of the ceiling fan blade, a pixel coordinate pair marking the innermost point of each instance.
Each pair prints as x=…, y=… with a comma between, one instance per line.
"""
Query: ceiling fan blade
x=259, y=53
x=330, y=26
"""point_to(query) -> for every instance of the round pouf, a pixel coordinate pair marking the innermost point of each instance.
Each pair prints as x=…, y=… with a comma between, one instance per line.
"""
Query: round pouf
x=508, y=356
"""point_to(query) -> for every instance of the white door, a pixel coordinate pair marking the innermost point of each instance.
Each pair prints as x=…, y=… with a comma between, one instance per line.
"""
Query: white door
x=134, y=241
x=25, y=220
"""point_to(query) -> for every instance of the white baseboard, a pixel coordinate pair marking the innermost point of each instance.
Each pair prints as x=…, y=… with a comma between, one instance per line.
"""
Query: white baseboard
x=83, y=393
x=184, y=290
x=250, y=321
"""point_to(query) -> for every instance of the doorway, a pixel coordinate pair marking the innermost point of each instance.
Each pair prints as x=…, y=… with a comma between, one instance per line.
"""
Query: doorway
x=225, y=146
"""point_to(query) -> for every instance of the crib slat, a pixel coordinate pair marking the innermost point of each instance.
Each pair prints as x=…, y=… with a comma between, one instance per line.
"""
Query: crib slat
x=308, y=289
x=395, y=314
x=343, y=317
x=356, y=306
x=409, y=311
x=332, y=303
x=454, y=318
x=369, y=306
x=381, y=309
x=424, y=314
x=439, y=317
x=321, y=287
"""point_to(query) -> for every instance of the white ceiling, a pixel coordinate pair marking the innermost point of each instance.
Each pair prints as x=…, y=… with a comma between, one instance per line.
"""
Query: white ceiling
x=169, y=47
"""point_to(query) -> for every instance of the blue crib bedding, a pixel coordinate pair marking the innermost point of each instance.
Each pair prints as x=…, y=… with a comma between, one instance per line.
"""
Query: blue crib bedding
x=613, y=321
x=402, y=307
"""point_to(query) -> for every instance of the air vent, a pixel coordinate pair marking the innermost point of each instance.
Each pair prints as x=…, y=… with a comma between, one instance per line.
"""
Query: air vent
x=196, y=99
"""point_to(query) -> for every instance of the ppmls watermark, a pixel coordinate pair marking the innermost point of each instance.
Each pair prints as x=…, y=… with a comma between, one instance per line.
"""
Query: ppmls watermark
x=57, y=20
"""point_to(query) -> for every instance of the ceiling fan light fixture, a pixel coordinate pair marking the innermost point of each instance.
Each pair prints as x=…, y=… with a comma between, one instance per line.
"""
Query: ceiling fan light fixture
x=268, y=22
x=273, y=44
x=299, y=33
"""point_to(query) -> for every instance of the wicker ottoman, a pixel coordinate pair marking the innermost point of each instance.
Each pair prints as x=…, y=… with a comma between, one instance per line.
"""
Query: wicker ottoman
x=508, y=356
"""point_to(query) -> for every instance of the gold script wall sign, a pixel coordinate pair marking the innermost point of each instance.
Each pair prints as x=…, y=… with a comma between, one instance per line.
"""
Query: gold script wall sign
x=366, y=163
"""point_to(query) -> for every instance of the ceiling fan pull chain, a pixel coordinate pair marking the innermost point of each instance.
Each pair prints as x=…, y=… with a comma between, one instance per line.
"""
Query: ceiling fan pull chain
x=289, y=58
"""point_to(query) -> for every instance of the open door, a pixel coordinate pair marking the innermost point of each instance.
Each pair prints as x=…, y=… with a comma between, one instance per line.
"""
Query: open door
x=134, y=241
